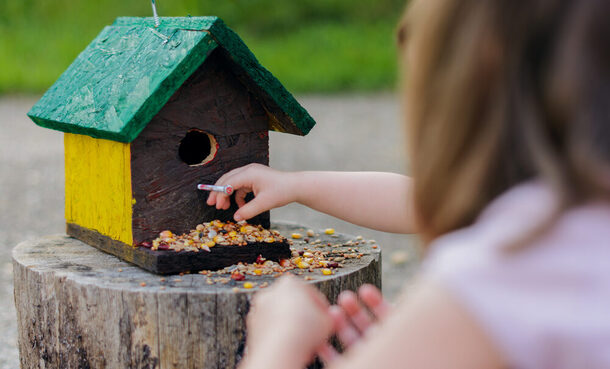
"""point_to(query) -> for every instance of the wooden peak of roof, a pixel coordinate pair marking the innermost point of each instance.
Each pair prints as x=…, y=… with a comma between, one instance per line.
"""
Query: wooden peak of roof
x=132, y=68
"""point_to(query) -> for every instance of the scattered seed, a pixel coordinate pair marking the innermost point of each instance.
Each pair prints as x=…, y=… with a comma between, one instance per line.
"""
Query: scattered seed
x=327, y=271
x=143, y=284
x=166, y=234
x=329, y=231
x=237, y=276
x=248, y=285
x=296, y=236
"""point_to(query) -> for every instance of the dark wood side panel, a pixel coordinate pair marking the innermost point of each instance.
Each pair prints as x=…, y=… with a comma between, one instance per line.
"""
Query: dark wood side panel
x=164, y=187
x=172, y=262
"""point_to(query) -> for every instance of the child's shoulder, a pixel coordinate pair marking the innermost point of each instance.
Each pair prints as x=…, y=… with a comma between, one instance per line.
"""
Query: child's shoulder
x=523, y=210
x=551, y=295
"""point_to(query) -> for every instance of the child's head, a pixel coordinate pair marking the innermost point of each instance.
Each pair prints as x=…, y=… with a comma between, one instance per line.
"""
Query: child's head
x=501, y=91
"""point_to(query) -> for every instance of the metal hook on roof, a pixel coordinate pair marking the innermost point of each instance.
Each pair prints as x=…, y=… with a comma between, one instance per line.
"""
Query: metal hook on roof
x=155, y=15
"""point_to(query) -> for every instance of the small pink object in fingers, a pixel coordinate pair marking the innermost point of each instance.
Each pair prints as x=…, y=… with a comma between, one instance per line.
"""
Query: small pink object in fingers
x=227, y=190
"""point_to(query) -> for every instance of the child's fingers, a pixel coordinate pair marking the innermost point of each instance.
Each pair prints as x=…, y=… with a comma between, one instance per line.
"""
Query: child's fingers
x=327, y=353
x=211, y=198
x=373, y=299
x=240, y=197
x=222, y=200
x=345, y=331
x=251, y=209
x=240, y=183
x=348, y=301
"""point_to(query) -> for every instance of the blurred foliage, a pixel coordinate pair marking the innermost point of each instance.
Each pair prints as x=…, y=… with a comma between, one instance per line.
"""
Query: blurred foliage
x=310, y=45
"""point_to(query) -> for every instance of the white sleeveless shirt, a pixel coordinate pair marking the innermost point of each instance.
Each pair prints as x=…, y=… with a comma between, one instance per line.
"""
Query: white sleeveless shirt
x=547, y=305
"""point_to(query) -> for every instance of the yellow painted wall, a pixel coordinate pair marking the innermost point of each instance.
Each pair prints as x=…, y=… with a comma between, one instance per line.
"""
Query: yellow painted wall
x=98, y=185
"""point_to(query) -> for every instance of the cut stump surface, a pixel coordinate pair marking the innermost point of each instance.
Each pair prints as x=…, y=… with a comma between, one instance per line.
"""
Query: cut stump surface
x=78, y=307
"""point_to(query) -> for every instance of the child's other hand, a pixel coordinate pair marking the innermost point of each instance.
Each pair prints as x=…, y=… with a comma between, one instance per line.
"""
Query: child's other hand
x=290, y=320
x=355, y=316
x=271, y=189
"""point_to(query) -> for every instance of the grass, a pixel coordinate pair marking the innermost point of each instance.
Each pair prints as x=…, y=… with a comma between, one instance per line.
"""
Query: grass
x=311, y=45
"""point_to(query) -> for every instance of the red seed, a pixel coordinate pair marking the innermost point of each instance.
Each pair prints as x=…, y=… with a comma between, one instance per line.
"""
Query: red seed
x=332, y=264
x=237, y=276
x=163, y=246
x=260, y=259
x=146, y=244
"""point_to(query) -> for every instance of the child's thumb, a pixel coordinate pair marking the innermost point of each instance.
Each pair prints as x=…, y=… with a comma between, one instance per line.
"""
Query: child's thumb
x=249, y=210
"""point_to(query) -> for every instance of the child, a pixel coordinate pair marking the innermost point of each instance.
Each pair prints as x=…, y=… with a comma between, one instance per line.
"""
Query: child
x=508, y=122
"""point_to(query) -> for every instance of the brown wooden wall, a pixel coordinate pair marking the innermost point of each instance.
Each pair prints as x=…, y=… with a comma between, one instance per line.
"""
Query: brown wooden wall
x=164, y=187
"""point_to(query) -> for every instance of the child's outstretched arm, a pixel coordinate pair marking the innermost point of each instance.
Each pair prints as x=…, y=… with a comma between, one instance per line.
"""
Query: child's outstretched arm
x=371, y=199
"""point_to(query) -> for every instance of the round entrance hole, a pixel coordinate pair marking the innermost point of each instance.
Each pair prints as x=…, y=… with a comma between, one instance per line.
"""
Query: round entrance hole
x=197, y=147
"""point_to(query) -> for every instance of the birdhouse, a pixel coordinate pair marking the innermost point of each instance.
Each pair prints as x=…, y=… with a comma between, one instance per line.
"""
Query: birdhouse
x=148, y=113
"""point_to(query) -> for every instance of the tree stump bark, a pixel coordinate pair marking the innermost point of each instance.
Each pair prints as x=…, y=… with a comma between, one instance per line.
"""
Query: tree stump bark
x=80, y=308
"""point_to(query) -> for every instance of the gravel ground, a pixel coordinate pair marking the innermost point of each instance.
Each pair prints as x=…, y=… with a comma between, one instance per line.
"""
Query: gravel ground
x=353, y=133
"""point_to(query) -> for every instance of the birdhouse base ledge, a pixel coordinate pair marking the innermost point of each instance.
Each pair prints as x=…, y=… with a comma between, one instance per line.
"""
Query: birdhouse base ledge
x=173, y=262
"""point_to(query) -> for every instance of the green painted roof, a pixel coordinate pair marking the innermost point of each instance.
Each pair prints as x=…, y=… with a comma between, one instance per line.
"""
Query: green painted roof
x=125, y=76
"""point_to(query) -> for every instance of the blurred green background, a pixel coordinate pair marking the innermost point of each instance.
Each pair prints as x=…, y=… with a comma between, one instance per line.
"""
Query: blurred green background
x=310, y=45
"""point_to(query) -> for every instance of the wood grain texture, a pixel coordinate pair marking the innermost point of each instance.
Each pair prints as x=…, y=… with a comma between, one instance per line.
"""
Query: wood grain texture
x=81, y=308
x=98, y=185
x=172, y=262
x=164, y=187
x=121, y=80
x=130, y=70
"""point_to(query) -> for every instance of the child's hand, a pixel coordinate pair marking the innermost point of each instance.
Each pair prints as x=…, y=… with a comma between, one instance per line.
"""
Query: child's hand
x=354, y=316
x=289, y=320
x=271, y=189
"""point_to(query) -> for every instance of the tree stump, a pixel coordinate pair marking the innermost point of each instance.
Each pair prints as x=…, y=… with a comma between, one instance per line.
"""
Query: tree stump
x=80, y=308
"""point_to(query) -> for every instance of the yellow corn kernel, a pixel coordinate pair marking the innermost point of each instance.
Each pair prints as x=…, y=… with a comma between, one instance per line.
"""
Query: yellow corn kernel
x=302, y=265
x=327, y=271
x=297, y=236
x=210, y=244
x=242, y=229
x=248, y=285
x=258, y=271
x=232, y=234
x=329, y=231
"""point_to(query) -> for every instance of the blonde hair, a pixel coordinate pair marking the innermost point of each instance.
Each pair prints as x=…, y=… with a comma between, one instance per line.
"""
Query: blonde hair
x=501, y=91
